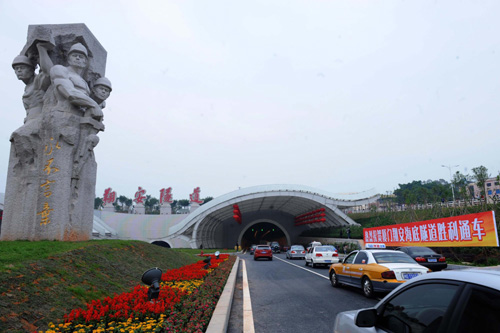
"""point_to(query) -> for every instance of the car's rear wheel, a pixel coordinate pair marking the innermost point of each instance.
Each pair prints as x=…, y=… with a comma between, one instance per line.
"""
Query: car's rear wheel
x=270, y=258
x=306, y=262
x=334, y=279
x=367, y=286
x=313, y=265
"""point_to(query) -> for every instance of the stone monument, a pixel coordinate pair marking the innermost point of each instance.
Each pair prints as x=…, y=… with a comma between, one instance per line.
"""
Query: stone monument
x=139, y=197
x=52, y=169
x=194, y=199
x=166, y=200
x=108, y=199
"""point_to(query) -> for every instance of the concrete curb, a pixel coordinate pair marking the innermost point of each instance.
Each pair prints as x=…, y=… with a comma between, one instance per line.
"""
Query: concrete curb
x=220, y=317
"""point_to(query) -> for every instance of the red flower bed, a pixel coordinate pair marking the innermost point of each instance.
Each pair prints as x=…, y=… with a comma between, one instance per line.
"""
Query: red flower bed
x=175, y=310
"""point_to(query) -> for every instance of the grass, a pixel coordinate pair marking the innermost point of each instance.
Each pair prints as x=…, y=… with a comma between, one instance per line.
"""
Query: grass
x=41, y=281
x=205, y=251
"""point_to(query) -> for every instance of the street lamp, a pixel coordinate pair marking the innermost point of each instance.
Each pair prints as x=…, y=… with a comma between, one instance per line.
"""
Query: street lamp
x=152, y=278
x=451, y=180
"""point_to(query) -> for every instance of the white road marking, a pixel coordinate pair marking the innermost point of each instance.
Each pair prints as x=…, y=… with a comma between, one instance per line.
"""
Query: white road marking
x=248, y=326
x=285, y=261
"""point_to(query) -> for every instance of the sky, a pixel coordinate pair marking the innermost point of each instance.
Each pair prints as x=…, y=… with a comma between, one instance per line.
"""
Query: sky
x=348, y=97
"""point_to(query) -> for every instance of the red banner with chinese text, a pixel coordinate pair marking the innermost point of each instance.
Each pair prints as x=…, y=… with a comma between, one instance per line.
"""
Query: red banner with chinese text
x=466, y=230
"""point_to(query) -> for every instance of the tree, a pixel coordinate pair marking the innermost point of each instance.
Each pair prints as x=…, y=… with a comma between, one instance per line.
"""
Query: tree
x=480, y=176
x=151, y=205
x=460, y=183
x=207, y=199
x=122, y=199
x=129, y=203
x=421, y=192
x=98, y=203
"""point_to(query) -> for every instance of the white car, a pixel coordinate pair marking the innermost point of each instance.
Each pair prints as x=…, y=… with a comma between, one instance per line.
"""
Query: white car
x=449, y=301
x=322, y=255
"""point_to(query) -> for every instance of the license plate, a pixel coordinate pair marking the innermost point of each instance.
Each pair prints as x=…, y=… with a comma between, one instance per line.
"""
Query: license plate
x=432, y=260
x=328, y=261
x=408, y=276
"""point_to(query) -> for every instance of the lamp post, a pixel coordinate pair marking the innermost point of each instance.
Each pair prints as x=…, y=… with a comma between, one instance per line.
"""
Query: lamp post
x=451, y=180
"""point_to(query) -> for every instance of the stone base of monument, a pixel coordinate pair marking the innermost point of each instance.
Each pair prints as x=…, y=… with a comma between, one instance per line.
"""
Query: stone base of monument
x=194, y=206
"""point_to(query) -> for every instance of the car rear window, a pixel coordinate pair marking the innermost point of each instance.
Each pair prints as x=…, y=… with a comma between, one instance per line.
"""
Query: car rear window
x=260, y=247
x=297, y=248
x=324, y=249
x=392, y=257
x=421, y=251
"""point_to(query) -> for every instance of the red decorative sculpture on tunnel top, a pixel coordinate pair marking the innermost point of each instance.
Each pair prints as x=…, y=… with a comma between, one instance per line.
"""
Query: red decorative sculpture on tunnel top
x=166, y=196
x=237, y=213
x=109, y=196
x=195, y=196
x=140, y=195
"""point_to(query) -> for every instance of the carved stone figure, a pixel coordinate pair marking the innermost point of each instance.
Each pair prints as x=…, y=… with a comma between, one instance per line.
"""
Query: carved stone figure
x=52, y=170
x=26, y=137
x=101, y=91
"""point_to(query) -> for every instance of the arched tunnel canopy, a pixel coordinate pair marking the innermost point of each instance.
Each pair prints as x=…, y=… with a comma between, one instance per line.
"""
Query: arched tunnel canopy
x=213, y=225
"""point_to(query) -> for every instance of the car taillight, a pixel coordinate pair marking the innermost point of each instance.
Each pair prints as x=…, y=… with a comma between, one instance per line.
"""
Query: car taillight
x=420, y=259
x=303, y=252
x=293, y=252
x=319, y=255
x=388, y=275
x=442, y=259
x=335, y=254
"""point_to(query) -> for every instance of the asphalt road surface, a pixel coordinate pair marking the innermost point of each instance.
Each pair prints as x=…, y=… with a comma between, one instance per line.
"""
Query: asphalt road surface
x=288, y=296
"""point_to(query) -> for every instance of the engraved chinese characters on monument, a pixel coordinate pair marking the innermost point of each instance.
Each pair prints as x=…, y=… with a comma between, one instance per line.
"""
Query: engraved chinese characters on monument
x=52, y=169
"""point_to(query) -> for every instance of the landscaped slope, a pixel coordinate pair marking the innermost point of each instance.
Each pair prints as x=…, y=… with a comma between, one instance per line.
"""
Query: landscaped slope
x=42, y=281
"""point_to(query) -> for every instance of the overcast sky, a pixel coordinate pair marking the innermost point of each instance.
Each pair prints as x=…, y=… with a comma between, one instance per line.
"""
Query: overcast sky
x=344, y=96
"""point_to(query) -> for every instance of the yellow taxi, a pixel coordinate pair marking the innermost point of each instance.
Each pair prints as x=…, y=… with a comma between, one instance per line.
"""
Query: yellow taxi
x=375, y=270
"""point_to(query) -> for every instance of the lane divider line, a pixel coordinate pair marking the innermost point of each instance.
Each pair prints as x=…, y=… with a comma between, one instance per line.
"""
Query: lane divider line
x=248, y=326
x=289, y=263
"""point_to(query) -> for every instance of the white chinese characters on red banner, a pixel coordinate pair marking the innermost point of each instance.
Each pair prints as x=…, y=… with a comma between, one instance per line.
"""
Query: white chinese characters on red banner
x=195, y=196
x=140, y=195
x=166, y=196
x=109, y=196
x=467, y=230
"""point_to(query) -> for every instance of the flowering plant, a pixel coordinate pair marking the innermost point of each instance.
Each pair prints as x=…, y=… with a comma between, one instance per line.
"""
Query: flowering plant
x=188, y=296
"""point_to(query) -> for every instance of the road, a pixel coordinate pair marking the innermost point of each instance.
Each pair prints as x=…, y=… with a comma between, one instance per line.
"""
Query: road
x=287, y=296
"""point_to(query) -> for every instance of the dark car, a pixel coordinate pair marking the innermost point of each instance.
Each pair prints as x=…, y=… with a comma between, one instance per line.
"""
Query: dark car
x=425, y=257
x=251, y=250
x=275, y=246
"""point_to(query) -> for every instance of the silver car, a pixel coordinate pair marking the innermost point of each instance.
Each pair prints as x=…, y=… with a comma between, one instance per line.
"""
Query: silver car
x=448, y=301
x=296, y=252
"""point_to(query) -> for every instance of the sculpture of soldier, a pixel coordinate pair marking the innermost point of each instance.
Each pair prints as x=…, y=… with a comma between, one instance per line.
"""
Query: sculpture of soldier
x=52, y=170
x=26, y=137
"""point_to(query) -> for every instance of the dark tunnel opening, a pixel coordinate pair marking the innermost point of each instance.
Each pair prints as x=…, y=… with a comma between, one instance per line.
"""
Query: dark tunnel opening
x=263, y=233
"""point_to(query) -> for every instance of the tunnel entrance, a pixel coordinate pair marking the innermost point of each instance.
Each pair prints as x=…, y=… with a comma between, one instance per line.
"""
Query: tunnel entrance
x=263, y=233
x=161, y=243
